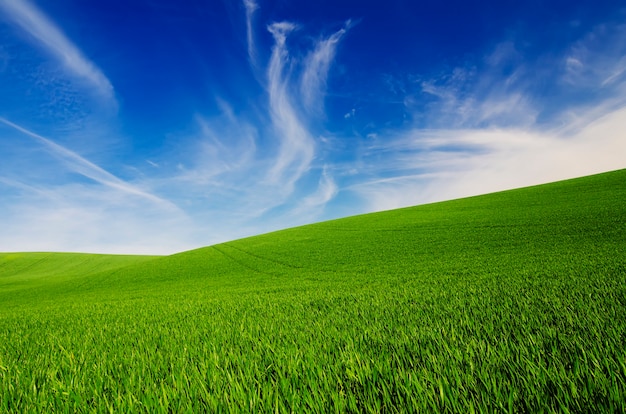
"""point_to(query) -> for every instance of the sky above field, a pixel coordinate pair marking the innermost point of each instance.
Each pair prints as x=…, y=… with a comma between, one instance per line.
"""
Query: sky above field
x=155, y=126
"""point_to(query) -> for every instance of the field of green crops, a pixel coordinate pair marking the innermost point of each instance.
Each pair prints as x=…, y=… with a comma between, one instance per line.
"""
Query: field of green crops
x=509, y=302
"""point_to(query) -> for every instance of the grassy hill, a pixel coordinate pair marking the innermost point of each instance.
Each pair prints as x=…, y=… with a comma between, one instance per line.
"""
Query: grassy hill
x=512, y=301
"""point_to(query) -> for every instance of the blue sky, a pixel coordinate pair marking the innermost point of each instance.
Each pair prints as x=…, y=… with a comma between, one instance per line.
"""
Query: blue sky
x=154, y=126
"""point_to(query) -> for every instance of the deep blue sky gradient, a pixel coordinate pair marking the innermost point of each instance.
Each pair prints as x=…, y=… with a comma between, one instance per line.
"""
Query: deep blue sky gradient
x=157, y=126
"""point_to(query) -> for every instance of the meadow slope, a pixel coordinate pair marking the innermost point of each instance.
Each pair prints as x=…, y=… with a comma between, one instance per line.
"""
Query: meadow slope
x=512, y=301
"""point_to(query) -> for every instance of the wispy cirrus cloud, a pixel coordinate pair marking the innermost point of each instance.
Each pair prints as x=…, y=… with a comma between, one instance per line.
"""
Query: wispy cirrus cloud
x=490, y=130
x=491, y=92
x=89, y=218
x=317, y=65
x=72, y=204
x=293, y=113
x=86, y=168
x=326, y=190
x=598, y=60
x=433, y=165
x=233, y=173
x=243, y=167
x=49, y=37
x=251, y=7
x=244, y=153
x=296, y=146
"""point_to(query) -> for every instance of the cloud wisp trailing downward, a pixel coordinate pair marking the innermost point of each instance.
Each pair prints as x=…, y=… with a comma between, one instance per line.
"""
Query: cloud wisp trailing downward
x=250, y=167
x=243, y=172
x=291, y=113
x=296, y=145
x=251, y=7
x=317, y=65
x=310, y=205
x=48, y=36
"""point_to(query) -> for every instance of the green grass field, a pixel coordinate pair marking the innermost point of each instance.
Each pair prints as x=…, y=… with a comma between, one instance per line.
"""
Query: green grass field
x=508, y=302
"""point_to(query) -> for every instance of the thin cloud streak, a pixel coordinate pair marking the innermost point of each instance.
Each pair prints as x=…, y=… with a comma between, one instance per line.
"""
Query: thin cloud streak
x=251, y=7
x=80, y=165
x=296, y=146
x=30, y=19
x=466, y=99
x=317, y=64
x=599, y=59
x=327, y=189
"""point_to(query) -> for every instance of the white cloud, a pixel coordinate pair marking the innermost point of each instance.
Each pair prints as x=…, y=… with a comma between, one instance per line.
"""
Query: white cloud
x=222, y=151
x=616, y=72
x=573, y=64
x=470, y=97
x=326, y=190
x=490, y=131
x=317, y=64
x=251, y=7
x=80, y=165
x=598, y=59
x=231, y=186
x=92, y=219
x=438, y=165
x=49, y=210
x=31, y=20
x=296, y=146
x=292, y=113
x=221, y=181
x=236, y=173
x=504, y=53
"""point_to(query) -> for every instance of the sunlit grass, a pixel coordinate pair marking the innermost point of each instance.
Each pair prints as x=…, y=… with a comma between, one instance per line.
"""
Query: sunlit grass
x=514, y=301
